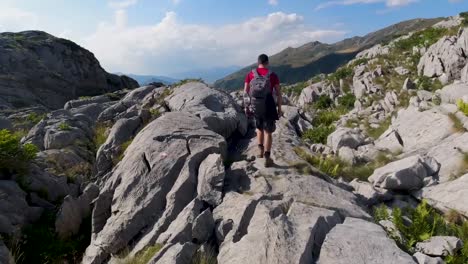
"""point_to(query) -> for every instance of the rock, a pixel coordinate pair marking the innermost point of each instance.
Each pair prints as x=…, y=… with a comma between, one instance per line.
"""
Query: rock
x=391, y=230
x=211, y=180
x=363, y=81
x=401, y=71
x=348, y=155
x=449, y=22
x=279, y=233
x=152, y=184
x=359, y=241
x=203, y=227
x=447, y=196
x=100, y=99
x=406, y=174
x=409, y=84
x=51, y=64
x=73, y=211
x=310, y=94
x=446, y=58
x=14, y=210
x=5, y=255
x=373, y=52
x=453, y=92
x=425, y=259
x=214, y=107
x=416, y=130
x=175, y=254
x=440, y=246
x=464, y=74
x=371, y=194
x=345, y=137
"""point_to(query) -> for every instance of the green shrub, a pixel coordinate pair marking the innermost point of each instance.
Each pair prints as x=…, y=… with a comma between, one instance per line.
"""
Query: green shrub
x=425, y=38
x=14, y=156
x=426, y=83
x=341, y=73
x=64, y=126
x=347, y=101
x=35, y=118
x=155, y=113
x=381, y=213
x=318, y=134
x=462, y=106
x=464, y=16
x=323, y=102
x=327, y=117
x=206, y=257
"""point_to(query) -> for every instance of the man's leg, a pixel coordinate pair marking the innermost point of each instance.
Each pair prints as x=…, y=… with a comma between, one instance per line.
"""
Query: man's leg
x=260, y=137
x=268, y=141
x=269, y=129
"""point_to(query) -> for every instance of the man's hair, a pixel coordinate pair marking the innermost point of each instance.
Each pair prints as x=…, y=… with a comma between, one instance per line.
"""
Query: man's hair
x=263, y=59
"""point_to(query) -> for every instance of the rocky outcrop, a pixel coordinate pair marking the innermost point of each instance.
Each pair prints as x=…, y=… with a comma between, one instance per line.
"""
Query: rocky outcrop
x=445, y=59
x=214, y=107
x=425, y=259
x=152, y=184
x=440, y=246
x=40, y=69
x=345, y=137
x=373, y=52
x=363, y=81
x=447, y=196
x=405, y=175
x=452, y=93
x=5, y=255
x=359, y=241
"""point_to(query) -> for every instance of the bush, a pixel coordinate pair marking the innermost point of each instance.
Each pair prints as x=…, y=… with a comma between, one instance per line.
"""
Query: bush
x=318, y=134
x=327, y=117
x=426, y=83
x=323, y=102
x=423, y=223
x=14, y=156
x=462, y=106
x=347, y=101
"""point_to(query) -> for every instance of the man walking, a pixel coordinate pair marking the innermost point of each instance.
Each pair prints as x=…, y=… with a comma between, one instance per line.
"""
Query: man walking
x=261, y=89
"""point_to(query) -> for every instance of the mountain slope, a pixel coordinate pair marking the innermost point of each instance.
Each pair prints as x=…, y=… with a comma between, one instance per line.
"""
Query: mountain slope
x=37, y=68
x=299, y=64
x=147, y=79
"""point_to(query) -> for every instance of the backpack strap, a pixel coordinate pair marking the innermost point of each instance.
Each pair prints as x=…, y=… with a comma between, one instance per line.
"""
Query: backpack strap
x=255, y=73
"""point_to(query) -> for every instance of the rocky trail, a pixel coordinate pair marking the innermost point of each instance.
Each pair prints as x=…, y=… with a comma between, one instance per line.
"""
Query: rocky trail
x=370, y=167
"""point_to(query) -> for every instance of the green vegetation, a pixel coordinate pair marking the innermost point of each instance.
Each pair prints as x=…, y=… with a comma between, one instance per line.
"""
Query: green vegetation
x=428, y=84
x=64, y=126
x=462, y=106
x=155, y=113
x=327, y=117
x=35, y=118
x=464, y=15
x=205, y=257
x=40, y=244
x=347, y=101
x=359, y=62
x=294, y=89
x=185, y=81
x=457, y=123
x=14, y=157
x=122, y=149
x=425, y=38
x=84, y=97
x=100, y=134
x=323, y=102
x=318, y=134
x=144, y=256
x=424, y=223
x=342, y=73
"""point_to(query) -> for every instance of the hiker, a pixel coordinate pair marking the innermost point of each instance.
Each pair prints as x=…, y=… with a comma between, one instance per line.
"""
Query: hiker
x=262, y=100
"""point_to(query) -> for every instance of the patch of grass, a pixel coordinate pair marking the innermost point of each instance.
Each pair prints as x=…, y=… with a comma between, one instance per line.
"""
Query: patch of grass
x=100, y=134
x=14, y=157
x=428, y=84
x=341, y=73
x=424, y=38
x=318, y=134
x=462, y=106
x=35, y=117
x=375, y=133
x=185, y=81
x=144, y=256
x=327, y=117
x=84, y=97
x=155, y=113
x=64, y=126
x=323, y=102
x=457, y=123
x=206, y=257
x=82, y=169
x=464, y=16
x=347, y=100
x=122, y=149
x=359, y=62
x=40, y=244
x=424, y=223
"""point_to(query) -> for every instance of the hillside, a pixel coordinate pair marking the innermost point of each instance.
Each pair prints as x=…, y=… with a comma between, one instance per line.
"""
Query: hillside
x=37, y=68
x=147, y=79
x=299, y=64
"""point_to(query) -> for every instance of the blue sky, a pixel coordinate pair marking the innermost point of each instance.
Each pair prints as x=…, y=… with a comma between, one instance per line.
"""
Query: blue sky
x=166, y=37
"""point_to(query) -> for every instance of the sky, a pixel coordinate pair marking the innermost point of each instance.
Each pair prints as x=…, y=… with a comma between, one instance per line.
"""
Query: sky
x=166, y=37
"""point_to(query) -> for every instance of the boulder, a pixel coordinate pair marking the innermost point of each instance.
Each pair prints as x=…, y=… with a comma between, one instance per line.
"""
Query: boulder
x=373, y=52
x=73, y=211
x=14, y=210
x=77, y=103
x=348, y=155
x=425, y=259
x=447, y=196
x=453, y=92
x=409, y=84
x=152, y=184
x=401, y=70
x=51, y=64
x=406, y=174
x=445, y=59
x=369, y=193
x=359, y=241
x=345, y=137
x=211, y=180
x=5, y=255
x=440, y=246
x=216, y=108
x=310, y=94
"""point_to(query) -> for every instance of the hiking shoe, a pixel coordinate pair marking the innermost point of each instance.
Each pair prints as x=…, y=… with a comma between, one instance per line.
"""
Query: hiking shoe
x=268, y=162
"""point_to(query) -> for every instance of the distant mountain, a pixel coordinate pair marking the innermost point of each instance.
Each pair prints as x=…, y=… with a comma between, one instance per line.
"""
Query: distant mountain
x=299, y=64
x=146, y=79
x=208, y=75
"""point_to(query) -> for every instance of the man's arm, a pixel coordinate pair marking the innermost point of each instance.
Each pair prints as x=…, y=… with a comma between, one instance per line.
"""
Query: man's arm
x=279, y=99
x=246, y=97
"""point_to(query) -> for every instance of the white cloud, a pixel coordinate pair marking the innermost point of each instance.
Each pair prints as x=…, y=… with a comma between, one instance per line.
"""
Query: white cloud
x=122, y=4
x=14, y=19
x=389, y=3
x=176, y=2
x=173, y=46
x=273, y=2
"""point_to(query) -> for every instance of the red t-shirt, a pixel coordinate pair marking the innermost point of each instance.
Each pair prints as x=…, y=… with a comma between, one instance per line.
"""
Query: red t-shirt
x=274, y=80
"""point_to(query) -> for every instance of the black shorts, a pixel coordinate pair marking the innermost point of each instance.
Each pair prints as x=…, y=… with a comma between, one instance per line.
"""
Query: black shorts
x=265, y=124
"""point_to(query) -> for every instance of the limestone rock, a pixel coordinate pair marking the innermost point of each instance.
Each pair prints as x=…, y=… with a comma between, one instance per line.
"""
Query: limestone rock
x=453, y=92
x=439, y=246
x=371, y=194
x=359, y=241
x=211, y=180
x=345, y=137
x=425, y=259
x=175, y=254
x=5, y=255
